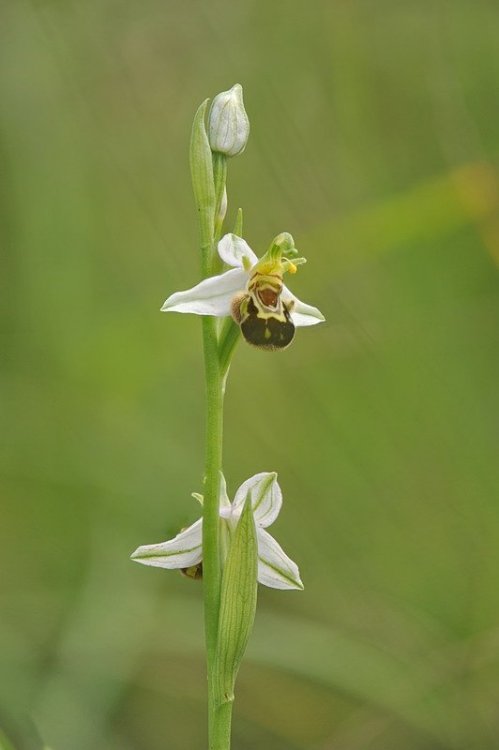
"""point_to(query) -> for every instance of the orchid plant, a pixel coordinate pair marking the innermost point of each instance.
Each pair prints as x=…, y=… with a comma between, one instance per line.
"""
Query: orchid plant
x=229, y=546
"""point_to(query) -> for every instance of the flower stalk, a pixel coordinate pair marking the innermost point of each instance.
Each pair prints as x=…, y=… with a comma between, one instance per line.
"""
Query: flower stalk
x=229, y=545
x=219, y=714
x=206, y=201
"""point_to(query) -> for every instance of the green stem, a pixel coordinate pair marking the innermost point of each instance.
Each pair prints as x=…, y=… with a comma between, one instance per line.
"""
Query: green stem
x=222, y=720
x=219, y=721
x=213, y=467
x=219, y=716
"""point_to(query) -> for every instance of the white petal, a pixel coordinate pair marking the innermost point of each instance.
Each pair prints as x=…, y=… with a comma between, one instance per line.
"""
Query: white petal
x=275, y=569
x=232, y=249
x=210, y=297
x=302, y=314
x=181, y=552
x=266, y=498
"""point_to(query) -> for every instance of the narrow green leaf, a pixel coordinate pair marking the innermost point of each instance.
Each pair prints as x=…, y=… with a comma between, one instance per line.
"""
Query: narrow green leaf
x=202, y=170
x=229, y=336
x=238, y=226
x=238, y=605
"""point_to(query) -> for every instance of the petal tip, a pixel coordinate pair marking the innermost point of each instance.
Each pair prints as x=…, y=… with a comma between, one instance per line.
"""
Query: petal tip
x=295, y=584
x=316, y=313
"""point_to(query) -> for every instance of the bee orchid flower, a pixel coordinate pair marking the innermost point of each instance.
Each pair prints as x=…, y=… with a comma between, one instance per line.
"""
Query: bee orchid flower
x=275, y=569
x=253, y=292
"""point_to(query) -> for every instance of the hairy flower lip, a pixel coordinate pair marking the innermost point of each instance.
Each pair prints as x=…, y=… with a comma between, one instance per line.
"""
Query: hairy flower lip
x=275, y=568
x=214, y=295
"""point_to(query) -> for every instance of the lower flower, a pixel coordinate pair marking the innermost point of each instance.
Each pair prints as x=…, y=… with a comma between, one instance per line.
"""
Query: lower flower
x=275, y=568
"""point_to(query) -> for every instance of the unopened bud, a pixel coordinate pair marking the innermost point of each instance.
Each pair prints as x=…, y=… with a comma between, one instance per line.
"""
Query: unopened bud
x=228, y=123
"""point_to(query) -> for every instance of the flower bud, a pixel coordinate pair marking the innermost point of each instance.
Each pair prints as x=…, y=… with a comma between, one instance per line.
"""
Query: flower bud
x=228, y=123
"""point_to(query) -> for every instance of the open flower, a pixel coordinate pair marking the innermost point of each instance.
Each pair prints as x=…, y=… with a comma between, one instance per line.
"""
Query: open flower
x=215, y=295
x=275, y=569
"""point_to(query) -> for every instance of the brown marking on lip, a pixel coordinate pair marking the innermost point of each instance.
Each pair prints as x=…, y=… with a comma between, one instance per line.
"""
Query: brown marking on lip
x=235, y=306
x=271, y=333
x=268, y=297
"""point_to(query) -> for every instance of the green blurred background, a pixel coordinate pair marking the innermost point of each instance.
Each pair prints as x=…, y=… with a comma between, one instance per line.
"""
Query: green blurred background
x=375, y=141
